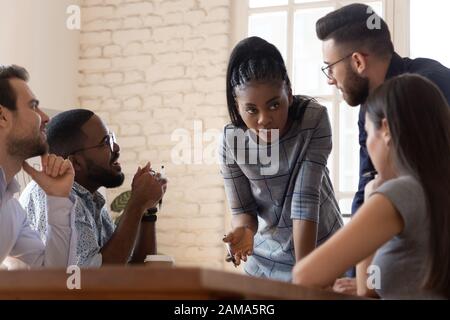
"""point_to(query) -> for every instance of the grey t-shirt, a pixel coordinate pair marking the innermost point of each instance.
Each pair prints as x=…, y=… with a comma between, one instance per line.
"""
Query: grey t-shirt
x=298, y=188
x=401, y=260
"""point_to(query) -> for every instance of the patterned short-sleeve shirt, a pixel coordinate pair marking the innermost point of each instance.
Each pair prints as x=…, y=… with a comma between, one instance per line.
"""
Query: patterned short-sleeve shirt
x=92, y=221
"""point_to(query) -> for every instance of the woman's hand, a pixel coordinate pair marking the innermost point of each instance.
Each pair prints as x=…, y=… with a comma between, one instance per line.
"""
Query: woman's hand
x=345, y=286
x=241, y=243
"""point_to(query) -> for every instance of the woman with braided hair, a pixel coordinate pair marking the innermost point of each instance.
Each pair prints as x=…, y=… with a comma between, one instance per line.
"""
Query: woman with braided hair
x=273, y=160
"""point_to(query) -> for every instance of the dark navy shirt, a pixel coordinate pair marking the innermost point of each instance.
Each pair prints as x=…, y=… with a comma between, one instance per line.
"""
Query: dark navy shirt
x=431, y=69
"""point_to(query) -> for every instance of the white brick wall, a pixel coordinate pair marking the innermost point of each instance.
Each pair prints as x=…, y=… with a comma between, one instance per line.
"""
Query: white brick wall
x=148, y=68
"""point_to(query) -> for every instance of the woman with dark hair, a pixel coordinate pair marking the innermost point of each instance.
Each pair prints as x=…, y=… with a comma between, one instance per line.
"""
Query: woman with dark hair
x=274, y=155
x=405, y=221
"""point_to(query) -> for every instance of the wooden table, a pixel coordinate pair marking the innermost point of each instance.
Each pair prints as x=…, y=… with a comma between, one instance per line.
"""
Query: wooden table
x=147, y=283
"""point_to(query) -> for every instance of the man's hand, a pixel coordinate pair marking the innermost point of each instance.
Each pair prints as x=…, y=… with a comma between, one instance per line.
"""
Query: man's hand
x=55, y=178
x=241, y=243
x=147, y=188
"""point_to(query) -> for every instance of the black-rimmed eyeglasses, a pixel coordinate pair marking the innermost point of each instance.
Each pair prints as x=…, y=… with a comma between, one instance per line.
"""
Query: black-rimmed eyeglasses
x=328, y=72
x=109, y=140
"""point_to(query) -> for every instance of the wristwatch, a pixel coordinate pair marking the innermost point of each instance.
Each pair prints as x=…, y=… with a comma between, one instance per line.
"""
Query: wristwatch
x=150, y=215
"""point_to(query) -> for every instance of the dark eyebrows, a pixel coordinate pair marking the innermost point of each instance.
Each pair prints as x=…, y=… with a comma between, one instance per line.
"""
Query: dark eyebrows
x=272, y=100
x=267, y=103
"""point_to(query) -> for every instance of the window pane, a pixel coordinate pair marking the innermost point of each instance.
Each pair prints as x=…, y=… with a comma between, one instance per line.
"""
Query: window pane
x=266, y=3
x=306, y=1
x=348, y=148
x=427, y=18
x=377, y=6
x=308, y=78
x=271, y=27
x=346, y=207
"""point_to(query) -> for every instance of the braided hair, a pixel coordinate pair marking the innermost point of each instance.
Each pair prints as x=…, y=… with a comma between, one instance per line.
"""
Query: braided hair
x=255, y=59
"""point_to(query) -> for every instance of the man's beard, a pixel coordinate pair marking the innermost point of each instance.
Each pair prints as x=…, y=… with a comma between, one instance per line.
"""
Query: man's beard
x=355, y=88
x=104, y=177
x=26, y=148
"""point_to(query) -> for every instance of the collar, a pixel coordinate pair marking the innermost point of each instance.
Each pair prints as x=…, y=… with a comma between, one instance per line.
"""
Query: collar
x=7, y=191
x=396, y=66
x=82, y=192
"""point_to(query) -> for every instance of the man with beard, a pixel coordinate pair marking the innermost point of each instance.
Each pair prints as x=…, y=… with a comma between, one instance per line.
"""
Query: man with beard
x=22, y=135
x=81, y=136
x=359, y=57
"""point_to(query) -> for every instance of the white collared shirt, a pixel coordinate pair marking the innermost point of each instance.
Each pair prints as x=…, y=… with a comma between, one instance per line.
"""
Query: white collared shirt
x=19, y=241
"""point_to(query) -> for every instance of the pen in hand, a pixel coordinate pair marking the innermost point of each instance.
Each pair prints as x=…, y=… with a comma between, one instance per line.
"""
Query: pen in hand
x=230, y=256
x=163, y=176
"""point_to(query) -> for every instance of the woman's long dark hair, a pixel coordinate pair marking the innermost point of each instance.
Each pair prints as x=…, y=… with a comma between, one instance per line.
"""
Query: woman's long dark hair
x=419, y=121
x=254, y=59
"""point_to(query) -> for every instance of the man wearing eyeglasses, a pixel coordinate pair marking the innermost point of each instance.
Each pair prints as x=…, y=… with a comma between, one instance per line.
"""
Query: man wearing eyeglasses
x=359, y=56
x=81, y=136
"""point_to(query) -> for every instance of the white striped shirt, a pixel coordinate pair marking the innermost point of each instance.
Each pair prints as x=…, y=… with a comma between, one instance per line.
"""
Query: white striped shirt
x=19, y=241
